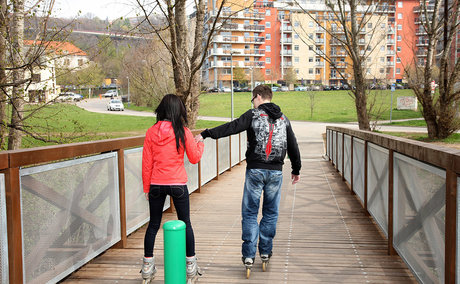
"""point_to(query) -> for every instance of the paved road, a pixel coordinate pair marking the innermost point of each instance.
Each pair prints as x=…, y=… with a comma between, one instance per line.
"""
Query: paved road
x=305, y=130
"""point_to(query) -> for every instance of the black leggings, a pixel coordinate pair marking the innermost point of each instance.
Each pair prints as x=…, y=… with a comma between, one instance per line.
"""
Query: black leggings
x=157, y=196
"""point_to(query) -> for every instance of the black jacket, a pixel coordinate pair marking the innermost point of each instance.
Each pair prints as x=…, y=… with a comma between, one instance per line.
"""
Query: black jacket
x=269, y=134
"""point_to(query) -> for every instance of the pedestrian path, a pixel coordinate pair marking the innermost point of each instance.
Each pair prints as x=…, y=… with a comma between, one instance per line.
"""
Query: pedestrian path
x=323, y=236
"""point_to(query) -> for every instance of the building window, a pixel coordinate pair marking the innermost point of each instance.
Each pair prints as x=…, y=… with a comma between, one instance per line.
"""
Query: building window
x=398, y=38
x=296, y=47
x=400, y=4
x=382, y=59
x=398, y=70
x=310, y=71
x=296, y=59
x=268, y=48
x=226, y=46
x=267, y=60
x=297, y=71
x=227, y=71
x=268, y=36
x=267, y=12
x=382, y=48
x=36, y=78
x=310, y=47
x=66, y=62
x=398, y=60
x=318, y=71
x=310, y=24
x=310, y=59
x=382, y=25
x=226, y=58
x=296, y=36
x=246, y=59
x=267, y=71
x=369, y=25
x=398, y=48
x=296, y=24
x=267, y=25
x=382, y=70
x=399, y=27
x=400, y=16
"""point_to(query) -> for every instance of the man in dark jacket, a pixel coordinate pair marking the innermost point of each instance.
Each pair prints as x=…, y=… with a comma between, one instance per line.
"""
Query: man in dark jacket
x=270, y=136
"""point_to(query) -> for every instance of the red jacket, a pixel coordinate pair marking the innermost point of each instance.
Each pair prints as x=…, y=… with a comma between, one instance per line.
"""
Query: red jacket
x=161, y=163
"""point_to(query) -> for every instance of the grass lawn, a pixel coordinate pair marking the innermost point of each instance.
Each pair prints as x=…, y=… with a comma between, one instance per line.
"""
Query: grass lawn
x=453, y=139
x=329, y=106
x=420, y=123
x=68, y=123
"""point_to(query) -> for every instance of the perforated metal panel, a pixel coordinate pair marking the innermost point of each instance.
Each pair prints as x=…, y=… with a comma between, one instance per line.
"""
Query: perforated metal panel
x=4, y=278
x=328, y=143
x=70, y=213
x=137, y=207
x=347, y=158
x=419, y=217
x=358, y=168
x=377, y=185
x=334, y=147
x=192, y=175
x=235, y=149
x=340, y=154
x=224, y=154
x=208, y=161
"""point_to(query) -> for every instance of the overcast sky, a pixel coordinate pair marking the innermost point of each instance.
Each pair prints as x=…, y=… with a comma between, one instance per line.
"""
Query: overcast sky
x=103, y=9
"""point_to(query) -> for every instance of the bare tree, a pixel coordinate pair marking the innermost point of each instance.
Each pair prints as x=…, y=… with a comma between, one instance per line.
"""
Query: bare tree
x=441, y=28
x=311, y=95
x=3, y=59
x=345, y=22
x=290, y=76
x=186, y=62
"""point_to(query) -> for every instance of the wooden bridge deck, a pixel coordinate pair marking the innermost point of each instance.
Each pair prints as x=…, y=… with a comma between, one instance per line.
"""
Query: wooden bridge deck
x=323, y=236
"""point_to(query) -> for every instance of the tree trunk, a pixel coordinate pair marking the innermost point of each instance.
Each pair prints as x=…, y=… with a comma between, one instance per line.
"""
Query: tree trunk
x=3, y=60
x=15, y=135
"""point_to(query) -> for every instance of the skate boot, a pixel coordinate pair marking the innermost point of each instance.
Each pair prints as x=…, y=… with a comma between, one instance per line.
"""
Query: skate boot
x=248, y=262
x=193, y=271
x=265, y=260
x=148, y=269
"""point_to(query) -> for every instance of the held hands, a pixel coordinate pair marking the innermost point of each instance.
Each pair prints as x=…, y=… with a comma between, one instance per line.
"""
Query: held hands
x=295, y=178
x=146, y=195
x=198, y=138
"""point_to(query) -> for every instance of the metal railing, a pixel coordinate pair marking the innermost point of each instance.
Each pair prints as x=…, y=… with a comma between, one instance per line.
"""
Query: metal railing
x=411, y=190
x=66, y=204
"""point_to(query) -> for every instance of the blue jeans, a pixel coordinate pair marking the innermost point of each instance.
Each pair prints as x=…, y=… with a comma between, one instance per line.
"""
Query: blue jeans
x=258, y=181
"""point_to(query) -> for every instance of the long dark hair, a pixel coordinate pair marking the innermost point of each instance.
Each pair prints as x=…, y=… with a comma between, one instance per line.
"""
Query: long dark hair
x=171, y=108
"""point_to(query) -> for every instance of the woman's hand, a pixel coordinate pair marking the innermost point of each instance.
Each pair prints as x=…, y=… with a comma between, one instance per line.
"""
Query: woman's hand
x=146, y=195
x=198, y=138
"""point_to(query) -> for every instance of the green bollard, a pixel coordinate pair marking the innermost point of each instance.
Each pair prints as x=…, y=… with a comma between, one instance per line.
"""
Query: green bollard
x=174, y=252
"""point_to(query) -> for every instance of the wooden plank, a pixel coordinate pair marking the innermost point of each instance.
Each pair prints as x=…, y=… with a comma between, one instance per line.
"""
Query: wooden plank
x=121, y=191
x=3, y=160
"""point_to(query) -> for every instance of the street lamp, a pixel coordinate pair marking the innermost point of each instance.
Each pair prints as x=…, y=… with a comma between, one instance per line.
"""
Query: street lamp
x=128, y=90
x=231, y=80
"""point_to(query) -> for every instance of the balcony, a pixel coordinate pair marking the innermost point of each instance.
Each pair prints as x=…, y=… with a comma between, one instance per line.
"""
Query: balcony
x=338, y=54
x=420, y=53
x=421, y=42
x=420, y=31
x=256, y=28
x=319, y=30
x=390, y=41
x=390, y=31
x=337, y=31
x=385, y=9
x=421, y=9
x=254, y=39
x=286, y=29
x=286, y=41
x=390, y=52
x=390, y=63
x=341, y=65
x=254, y=52
x=253, y=15
x=362, y=41
x=287, y=64
x=286, y=52
x=335, y=42
x=423, y=20
x=319, y=64
x=228, y=39
x=319, y=41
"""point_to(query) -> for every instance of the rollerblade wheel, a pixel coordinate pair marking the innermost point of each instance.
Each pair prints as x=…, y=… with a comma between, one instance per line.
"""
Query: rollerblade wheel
x=264, y=266
x=248, y=273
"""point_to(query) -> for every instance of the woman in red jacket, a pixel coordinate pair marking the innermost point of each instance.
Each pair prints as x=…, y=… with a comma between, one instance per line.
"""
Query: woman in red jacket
x=163, y=173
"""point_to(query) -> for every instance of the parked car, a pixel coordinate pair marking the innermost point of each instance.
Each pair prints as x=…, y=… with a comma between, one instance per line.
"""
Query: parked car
x=246, y=89
x=275, y=89
x=284, y=89
x=316, y=88
x=213, y=90
x=111, y=93
x=301, y=88
x=115, y=105
x=226, y=89
x=327, y=88
x=70, y=96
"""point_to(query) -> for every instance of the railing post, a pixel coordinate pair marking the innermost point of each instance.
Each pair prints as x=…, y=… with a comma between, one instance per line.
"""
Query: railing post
x=239, y=148
x=199, y=178
x=336, y=150
x=451, y=227
x=121, y=191
x=13, y=215
x=391, y=250
x=343, y=156
x=217, y=160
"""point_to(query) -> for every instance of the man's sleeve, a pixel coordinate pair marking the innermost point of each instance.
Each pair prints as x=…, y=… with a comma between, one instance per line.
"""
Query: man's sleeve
x=293, y=150
x=238, y=125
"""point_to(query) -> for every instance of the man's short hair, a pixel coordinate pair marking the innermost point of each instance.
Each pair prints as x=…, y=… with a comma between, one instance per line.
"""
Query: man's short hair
x=264, y=91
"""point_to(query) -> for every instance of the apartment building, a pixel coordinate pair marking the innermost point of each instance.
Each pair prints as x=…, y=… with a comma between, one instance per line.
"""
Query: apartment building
x=274, y=36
